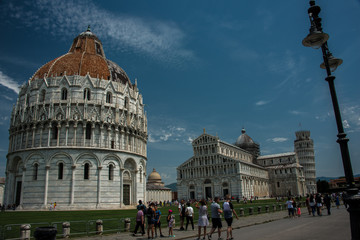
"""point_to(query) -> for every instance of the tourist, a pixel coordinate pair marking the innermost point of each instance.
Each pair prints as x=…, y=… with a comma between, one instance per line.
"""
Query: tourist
x=140, y=221
x=290, y=207
x=337, y=201
x=203, y=219
x=307, y=201
x=138, y=207
x=228, y=215
x=318, y=204
x=312, y=204
x=171, y=223
x=157, y=221
x=150, y=213
x=327, y=202
x=189, y=212
x=182, y=214
x=215, y=217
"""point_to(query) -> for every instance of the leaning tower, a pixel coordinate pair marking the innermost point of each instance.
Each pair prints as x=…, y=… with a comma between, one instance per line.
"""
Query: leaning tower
x=78, y=134
x=304, y=148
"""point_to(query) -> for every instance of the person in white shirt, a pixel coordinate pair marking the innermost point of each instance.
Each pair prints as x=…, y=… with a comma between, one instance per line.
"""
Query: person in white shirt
x=189, y=213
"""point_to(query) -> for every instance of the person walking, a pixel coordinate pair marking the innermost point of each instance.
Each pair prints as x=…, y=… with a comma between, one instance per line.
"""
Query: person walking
x=318, y=204
x=290, y=207
x=327, y=202
x=189, y=212
x=203, y=221
x=171, y=223
x=312, y=204
x=150, y=213
x=140, y=221
x=157, y=223
x=215, y=217
x=307, y=201
x=228, y=215
x=181, y=209
x=337, y=201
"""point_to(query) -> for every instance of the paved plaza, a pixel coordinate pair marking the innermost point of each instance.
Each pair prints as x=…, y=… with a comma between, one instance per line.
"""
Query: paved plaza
x=268, y=226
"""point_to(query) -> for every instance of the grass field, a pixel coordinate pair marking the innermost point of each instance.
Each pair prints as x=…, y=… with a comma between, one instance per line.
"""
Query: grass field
x=84, y=221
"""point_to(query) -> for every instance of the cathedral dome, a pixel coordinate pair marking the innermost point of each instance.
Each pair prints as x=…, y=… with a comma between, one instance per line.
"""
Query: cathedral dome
x=154, y=176
x=244, y=139
x=85, y=57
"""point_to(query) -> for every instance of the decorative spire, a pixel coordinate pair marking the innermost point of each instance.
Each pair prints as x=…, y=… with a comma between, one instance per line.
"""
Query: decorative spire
x=88, y=29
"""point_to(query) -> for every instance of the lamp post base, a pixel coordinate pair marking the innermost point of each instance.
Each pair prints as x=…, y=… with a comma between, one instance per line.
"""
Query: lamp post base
x=353, y=200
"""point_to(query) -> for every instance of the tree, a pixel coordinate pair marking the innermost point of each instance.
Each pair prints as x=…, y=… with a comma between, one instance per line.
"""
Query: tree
x=322, y=186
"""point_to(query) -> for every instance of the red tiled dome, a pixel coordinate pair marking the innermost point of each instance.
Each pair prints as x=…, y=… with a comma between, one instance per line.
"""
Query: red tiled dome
x=86, y=56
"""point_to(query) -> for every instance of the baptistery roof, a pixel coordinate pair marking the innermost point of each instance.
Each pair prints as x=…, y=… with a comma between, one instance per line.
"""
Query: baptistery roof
x=85, y=57
x=154, y=176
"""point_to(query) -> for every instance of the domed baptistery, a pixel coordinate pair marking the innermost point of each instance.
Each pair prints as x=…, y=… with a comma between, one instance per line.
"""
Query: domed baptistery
x=78, y=134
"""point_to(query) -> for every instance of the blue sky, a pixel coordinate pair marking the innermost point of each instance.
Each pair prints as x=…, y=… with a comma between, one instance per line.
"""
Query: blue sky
x=218, y=65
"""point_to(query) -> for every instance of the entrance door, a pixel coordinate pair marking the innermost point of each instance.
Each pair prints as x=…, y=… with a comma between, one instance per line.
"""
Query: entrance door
x=192, y=195
x=18, y=193
x=126, y=190
x=208, y=192
x=226, y=192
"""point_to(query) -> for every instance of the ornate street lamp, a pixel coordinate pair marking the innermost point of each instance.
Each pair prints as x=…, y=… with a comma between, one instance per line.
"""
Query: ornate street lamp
x=317, y=39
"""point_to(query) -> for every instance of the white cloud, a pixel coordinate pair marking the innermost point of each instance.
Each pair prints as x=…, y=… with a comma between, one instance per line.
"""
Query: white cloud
x=261, y=102
x=294, y=112
x=8, y=82
x=351, y=114
x=161, y=40
x=346, y=124
x=277, y=139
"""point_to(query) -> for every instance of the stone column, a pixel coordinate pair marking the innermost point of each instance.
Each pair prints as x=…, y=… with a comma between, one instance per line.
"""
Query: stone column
x=21, y=138
x=116, y=137
x=41, y=132
x=66, y=133
x=33, y=135
x=73, y=167
x=75, y=130
x=49, y=135
x=100, y=138
x=99, y=188
x=121, y=186
x=92, y=134
x=109, y=139
x=46, y=185
x=22, y=187
x=58, y=134
x=84, y=134
x=27, y=136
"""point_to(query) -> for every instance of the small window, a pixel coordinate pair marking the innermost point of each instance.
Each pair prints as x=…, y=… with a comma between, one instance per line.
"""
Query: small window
x=88, y=131
x=42, y=95
x=86, y=170
x=126, y=103
x=111, y=172
x=55, y=132
x=98, y=48
x=60, y=171
x=64, y=94
x=108, y=97
x=35, y=173
x=87, y=94
x=112, y=144
x=278, y=184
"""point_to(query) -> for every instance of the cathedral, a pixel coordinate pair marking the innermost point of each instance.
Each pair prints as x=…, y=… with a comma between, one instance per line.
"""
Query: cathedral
x=219, y=168
x=78, y=134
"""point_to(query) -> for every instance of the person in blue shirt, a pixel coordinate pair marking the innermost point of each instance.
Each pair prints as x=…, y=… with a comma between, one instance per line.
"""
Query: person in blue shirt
x=157, y=221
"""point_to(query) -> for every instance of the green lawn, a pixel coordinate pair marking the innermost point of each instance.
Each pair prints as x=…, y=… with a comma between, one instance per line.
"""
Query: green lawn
x=113, y=220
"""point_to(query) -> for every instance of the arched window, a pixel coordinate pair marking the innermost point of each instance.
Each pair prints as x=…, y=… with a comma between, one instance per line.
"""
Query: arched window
x=108, y=97
x=88, y=131
x=42, y=95
x=63, y=94
x=86, y=170
x=28, y=100
x=36, y=169
x=111, y=172
x=87, y=94
x=55, y=131
x=126, y=103
x=60, y=171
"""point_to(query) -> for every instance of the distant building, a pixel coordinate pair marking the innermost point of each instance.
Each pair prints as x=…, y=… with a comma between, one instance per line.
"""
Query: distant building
x=155, y=189
x=340, y=183
x=219, y=168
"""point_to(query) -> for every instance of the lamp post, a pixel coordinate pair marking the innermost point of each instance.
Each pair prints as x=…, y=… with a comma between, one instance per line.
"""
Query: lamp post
x=316, y=39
